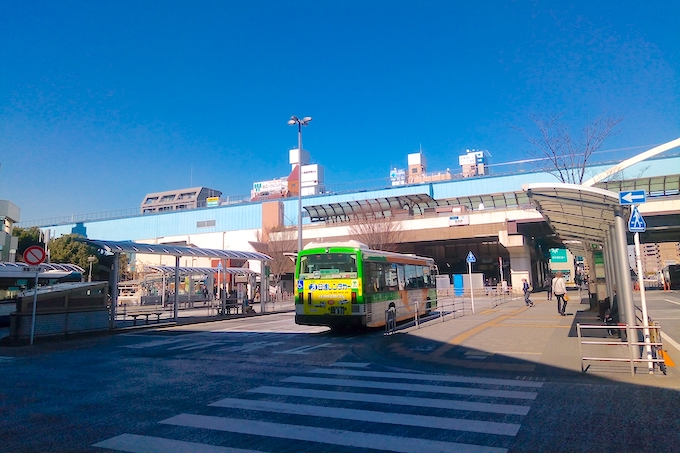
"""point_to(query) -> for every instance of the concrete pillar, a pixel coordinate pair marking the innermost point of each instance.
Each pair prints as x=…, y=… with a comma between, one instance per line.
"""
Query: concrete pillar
x=520, y=258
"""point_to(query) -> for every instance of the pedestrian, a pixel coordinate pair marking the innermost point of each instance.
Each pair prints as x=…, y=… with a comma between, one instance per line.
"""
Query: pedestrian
x=548, y=284
x=559, y=289
x=527, y=292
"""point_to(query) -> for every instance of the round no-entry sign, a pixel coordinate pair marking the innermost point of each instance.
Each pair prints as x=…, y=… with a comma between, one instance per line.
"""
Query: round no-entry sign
x=34, y=255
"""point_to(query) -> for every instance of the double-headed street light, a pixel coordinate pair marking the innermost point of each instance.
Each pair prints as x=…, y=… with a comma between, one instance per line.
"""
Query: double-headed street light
x=300, y=122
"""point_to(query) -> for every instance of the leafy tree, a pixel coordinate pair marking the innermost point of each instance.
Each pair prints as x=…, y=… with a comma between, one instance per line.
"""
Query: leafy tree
x=563, y=154
x=27, y=237
x=66, y=249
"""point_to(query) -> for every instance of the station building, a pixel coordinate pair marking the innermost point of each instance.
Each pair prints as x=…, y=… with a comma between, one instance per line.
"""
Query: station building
x=486, y=214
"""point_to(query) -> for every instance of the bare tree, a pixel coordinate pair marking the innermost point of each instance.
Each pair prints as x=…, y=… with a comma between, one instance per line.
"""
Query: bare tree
x=377, y=232
x=562, y=154
x=280, y=243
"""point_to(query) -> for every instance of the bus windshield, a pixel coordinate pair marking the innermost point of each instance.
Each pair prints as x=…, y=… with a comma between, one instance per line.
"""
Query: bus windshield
x=327, y=265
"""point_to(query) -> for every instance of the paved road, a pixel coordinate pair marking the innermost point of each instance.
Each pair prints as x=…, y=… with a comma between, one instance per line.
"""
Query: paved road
x=664, y=307
x=263, y=384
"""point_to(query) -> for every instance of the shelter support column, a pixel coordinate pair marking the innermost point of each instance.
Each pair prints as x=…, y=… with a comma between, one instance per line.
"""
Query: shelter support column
x=114, y=289
x=625, y=285
x=520, y=257
x=176, y=302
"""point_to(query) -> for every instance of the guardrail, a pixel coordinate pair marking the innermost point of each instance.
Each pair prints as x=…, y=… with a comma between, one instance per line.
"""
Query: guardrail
x=447, y=306
x=654, y=358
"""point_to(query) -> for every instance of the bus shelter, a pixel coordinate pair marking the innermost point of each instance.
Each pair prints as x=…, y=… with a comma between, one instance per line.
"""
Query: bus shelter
x=117, y=247
x=168, y=272
x=588, y=218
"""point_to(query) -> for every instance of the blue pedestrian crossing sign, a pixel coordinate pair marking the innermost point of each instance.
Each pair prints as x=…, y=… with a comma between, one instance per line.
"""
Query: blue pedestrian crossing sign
x=471, y=258
x=636, y=224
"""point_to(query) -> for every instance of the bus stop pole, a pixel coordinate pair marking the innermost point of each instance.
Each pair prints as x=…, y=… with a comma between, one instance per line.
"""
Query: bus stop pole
x=643, y=303
x=35, y=304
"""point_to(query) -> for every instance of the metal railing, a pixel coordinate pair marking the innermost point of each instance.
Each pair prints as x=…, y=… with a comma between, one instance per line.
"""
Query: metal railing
x=447, y=305
x=634, y=347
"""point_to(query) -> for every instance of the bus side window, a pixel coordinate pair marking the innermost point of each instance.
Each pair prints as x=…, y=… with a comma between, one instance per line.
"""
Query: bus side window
x=420, y=283
x=401, y=277
x=410, y=274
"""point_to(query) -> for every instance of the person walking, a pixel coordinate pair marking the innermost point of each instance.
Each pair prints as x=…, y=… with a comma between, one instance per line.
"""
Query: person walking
x=527, y=292
x=548, y=284
x=559, y=289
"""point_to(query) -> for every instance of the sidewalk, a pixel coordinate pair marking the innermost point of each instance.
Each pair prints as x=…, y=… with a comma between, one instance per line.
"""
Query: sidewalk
x=515, y=339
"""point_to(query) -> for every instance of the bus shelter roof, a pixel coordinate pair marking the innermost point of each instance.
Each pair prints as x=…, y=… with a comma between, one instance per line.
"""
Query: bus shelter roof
x=579, y=215
x=174, y=250
x=371, y=206
x=202, y=270
x=44, y=267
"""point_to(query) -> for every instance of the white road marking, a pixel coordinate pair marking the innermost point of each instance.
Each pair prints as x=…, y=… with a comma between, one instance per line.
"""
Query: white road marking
x=429, y=377
x=409, y=387
x=146, y=444
x=672, y=302
x=303, y=349
x=192, y=346
x=456, y=424
x=668, y=339
x=327, y=436
x=392, y=399
x=251, y=346
x=7, y=359
x=351, y=364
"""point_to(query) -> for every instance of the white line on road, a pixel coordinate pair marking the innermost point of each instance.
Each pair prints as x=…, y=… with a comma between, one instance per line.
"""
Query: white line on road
x=146, y=444
x=456, y=424
x=250, y=346
x=400, y=400
x=668, y=339
x=327, y=436
x=429, y=377
x=303, y=349
x=672, y=302
x=351, y=364
x=410, y=387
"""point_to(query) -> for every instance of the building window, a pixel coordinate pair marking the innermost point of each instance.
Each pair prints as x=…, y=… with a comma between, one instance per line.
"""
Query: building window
x=205, y=223
x=166, y=198
x=151, y=200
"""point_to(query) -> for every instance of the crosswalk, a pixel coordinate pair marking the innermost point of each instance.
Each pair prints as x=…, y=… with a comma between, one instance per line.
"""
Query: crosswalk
x=350, y=406
x=241, y=342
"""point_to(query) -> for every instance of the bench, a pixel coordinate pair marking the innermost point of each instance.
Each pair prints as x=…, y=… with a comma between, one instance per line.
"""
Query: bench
x=157, y=314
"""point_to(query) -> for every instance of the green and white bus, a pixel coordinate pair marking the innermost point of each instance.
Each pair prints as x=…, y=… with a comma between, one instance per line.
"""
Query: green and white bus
x=349, y=285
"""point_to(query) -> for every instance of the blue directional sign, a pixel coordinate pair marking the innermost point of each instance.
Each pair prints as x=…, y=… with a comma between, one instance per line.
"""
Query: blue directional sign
x=636, y=224
x=471, y=258
x=632, y=197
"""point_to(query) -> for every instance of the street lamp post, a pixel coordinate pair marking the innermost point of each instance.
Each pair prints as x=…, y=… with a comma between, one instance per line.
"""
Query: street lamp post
x=91, y=259
x=300, y=122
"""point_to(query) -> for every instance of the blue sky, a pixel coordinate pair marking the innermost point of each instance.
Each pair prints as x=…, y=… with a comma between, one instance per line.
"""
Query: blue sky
x=103, y=102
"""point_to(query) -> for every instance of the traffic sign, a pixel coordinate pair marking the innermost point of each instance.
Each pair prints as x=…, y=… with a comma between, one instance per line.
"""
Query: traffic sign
x=471, y=258
x=34, y=255
x=632, y=197
x=636, y=224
